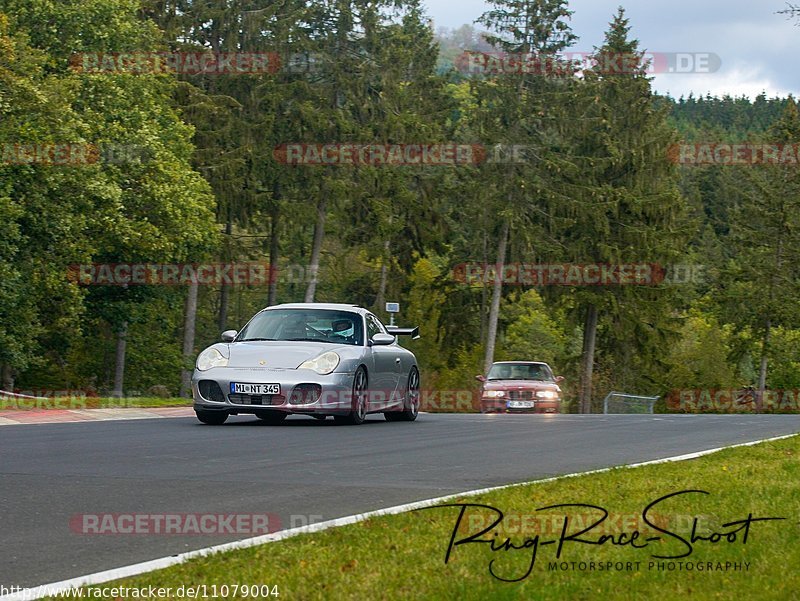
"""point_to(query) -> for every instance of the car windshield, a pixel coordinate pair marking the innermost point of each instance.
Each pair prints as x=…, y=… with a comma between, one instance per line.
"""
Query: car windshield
x=304, y=325
x=520, y=371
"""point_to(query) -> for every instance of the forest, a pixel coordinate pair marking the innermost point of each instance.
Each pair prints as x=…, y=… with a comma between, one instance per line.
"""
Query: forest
x=121, y=144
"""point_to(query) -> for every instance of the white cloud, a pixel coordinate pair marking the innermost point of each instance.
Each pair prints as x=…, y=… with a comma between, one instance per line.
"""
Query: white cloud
x=743, y=80
x=758, y=47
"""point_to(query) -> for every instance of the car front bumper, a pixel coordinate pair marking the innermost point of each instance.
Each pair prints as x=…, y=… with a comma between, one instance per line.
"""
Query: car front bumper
x=335, y=397
x=494, y=405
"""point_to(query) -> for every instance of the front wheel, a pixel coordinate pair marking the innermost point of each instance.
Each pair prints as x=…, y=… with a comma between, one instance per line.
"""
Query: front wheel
x=411, y=403
x=359, y=408
x=212, y=418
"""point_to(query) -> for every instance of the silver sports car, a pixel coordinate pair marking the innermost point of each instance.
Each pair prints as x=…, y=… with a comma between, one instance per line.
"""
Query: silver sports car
x=308, y=358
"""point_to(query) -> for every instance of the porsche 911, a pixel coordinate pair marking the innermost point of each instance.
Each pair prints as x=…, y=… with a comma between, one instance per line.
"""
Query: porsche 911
x=315, y=359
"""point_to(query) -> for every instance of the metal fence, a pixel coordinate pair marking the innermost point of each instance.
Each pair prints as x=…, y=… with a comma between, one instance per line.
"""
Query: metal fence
x=620, y=402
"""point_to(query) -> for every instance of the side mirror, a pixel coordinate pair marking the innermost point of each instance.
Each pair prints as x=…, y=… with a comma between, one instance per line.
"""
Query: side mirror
x=480, y=378
x=229, y=335
x=559, y=379
x=383, y=339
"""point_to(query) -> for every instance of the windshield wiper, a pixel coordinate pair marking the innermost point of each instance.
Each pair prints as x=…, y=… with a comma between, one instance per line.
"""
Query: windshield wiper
x=305, y=340
x=255, y=339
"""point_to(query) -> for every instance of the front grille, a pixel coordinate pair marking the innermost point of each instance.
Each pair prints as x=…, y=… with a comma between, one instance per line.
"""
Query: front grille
x=521, y=395
x=253, y=399
x=210, y=390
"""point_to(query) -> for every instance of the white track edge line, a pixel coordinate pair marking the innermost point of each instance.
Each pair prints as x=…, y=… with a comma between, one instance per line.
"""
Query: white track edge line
x=172, y=560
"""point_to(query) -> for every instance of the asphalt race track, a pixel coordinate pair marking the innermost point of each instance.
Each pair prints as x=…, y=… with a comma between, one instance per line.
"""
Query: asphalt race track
x=302, y=468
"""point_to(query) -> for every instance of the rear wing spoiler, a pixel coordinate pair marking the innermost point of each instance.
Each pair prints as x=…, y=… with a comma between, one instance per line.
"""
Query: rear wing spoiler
x=396, y=331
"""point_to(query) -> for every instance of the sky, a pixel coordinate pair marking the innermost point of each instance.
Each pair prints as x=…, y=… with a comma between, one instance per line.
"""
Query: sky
x=758, y=50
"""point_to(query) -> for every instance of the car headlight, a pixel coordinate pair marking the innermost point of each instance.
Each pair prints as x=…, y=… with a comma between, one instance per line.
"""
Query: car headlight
x=494, y=394
x=209, y=358
x=323, y=365
x=547, y=394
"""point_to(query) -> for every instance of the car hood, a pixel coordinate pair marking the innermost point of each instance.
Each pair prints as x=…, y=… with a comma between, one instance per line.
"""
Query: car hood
x=277, y=354
x=520, y=385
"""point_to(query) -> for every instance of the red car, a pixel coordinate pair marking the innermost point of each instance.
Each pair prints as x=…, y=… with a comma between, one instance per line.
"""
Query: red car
x=520, y=387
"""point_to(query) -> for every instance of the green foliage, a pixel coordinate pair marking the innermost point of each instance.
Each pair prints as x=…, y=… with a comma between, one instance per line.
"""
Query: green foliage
x=598, y=188
x=425, y=300
x=729, y=119
x=153, y=208
x=538, y=26
x=785, y=360
x=700, y=359
x=534, y=332
x=466, y=363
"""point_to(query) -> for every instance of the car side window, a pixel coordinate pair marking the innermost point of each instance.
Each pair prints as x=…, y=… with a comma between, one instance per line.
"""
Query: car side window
x=380, y=325
x=373, y=327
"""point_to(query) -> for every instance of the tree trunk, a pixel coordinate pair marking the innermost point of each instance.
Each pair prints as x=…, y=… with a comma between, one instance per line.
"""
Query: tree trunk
x=274, y=249
x=188, y=338
x=7, y=375
x=762, y=372
x=587, y=359
x=483, y=292
x=224, y=291
x=119, y=369
x=380, y=298
x=316, y=249
x=494, y=311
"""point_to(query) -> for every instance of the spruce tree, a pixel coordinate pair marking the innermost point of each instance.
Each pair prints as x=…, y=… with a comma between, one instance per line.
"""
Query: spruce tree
x=516, y=109
x=622, y=206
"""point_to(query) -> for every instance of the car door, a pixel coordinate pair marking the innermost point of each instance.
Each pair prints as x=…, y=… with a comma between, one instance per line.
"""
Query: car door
x=387, y=362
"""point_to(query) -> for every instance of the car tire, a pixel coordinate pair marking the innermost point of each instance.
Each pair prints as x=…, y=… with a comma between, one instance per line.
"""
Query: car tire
x=272, y=418
x=358, y=413
x=410, y=403
x=211, y=418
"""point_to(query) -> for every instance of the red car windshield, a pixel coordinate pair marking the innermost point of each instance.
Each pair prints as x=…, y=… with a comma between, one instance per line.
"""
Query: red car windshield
x=520, y=371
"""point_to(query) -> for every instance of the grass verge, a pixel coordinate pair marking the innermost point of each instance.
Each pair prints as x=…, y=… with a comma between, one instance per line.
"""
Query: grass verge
x=136, y=402
x=83, y=402
x=402, y=556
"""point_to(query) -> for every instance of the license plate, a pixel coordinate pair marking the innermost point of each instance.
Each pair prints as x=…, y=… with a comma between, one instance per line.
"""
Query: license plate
x=240, y=388
x=521, y=404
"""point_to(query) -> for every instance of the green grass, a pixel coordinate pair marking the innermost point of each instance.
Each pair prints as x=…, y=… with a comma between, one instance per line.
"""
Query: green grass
x=83, y=402
x=402, y=556
x=137, y=402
